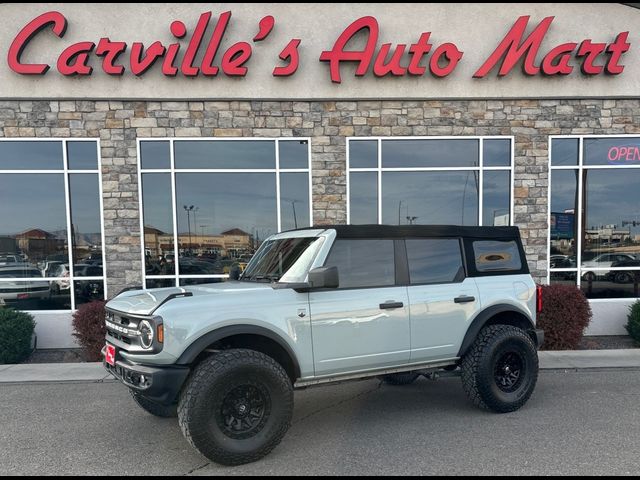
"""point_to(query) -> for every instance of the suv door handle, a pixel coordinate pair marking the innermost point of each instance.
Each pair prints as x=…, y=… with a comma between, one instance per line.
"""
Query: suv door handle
x=388, y=305
x=464, y=299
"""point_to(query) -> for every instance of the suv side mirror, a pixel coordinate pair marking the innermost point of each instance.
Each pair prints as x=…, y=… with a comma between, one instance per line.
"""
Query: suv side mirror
x=324, y=277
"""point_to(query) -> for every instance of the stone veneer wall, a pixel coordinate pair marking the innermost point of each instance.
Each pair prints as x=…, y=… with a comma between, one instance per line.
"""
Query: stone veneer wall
x=117, y=124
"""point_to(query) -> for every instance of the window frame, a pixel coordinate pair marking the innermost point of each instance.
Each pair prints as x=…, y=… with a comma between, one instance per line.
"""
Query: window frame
x=580, y=167
x=172, y=171
x=481, y=169
x=66, y=172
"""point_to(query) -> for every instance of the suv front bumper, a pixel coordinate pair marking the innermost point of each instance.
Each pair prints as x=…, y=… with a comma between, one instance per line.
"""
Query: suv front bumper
x=159, y=384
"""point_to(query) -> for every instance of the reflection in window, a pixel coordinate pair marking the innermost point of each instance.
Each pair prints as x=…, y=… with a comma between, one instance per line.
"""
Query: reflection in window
x=35, y=295
x=609, y=220
x=430, y=153
x=294, y=200
x=30, y=155
x=363, y=263
x=612, y=151
x=424, y=198
x=564, y=151
x=235, y=154
x=363, y=154
x=496, y=198
x=230, y=213
x=293, y=154
x=82, y=155
x=222, y=217
x=434, y=261
x=611, y=230
x=37, y=225
x=430, y=181
x=85, y=225
x=612, y=284
x=157, y=211
x=563, y=278
x=496, y=152
x=563, y=224
x=155, y=155
x=363, y=198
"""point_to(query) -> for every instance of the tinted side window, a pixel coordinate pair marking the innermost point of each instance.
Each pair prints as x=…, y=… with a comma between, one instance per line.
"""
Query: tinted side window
x=434, y=260
x=491, y=255
x=363, y=263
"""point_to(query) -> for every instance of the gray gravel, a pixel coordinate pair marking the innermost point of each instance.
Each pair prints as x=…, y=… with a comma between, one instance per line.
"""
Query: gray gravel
x=576, y=423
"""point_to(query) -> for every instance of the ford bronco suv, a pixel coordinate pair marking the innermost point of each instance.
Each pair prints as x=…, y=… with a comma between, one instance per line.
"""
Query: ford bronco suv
x=324, y=305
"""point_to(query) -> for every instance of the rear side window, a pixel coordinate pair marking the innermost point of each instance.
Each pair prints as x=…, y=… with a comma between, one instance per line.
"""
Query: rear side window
x=494, y=256
x=363, y=263
x=434, y=261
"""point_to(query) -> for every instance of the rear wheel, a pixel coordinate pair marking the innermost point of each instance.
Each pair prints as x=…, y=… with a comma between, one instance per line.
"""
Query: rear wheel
x=154, y=408
x=398, y=379
x=236, y=407
x=500, y=370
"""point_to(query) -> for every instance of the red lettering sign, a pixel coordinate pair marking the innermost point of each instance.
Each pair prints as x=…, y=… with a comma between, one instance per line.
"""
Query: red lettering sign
x=556, y=62
x=23, y=38
x=182, y=56
x=388, y=60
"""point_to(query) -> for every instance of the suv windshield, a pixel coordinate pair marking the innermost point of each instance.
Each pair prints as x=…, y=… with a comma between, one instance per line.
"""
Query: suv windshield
x=277, y=258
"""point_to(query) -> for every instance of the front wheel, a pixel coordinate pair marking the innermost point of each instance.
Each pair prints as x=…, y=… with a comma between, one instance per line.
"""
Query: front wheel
x=236, y=407
x=500, y=370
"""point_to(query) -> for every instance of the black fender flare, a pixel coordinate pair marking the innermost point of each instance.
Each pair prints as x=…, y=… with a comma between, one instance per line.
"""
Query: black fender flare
x=197, y=347
x=483, y=318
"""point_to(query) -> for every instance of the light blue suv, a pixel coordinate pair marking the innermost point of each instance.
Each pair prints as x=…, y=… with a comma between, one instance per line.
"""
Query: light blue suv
x=325, y=305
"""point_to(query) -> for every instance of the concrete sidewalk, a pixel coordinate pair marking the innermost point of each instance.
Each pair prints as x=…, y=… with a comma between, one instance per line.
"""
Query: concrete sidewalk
x=94, y=372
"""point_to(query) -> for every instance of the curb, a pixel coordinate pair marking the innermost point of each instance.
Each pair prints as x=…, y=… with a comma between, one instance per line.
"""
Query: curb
x=570, y=360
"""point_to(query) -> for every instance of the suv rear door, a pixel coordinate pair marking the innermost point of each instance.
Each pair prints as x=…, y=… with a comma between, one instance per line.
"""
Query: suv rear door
x=442, y=300
x=364, y=324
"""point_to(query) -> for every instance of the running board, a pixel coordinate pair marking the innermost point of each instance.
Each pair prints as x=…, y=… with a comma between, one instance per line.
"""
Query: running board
x=422, y=368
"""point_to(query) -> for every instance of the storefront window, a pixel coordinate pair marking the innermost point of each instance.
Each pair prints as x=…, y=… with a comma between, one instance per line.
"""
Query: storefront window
x=50, y=224
x=206, y=216
x=453, y=181
x=597, y=248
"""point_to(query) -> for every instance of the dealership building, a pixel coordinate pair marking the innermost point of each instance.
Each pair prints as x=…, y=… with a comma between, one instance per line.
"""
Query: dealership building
x=160, y=144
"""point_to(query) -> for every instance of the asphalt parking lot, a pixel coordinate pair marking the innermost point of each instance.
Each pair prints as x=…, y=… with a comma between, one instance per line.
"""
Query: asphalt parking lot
x=578, y=423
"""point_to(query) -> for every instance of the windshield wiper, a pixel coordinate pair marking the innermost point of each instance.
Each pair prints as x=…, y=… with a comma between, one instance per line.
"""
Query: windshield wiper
x=272, y=277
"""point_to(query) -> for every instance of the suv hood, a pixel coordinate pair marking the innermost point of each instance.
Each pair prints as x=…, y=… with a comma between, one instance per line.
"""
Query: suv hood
x=144, y=302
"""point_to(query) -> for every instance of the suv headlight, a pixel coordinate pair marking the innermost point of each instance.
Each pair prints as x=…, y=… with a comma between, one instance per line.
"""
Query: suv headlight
x=146, y=334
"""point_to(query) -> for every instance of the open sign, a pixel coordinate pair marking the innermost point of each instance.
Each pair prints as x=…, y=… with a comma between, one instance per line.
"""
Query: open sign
x=624, y=154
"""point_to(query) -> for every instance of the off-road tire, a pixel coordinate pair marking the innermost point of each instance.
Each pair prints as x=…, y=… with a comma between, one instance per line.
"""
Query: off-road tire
x=483, y=360
x=154, y=408
x=399, y=379
x=203, y=409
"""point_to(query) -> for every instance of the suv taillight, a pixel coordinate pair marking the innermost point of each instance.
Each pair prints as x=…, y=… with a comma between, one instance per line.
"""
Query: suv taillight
x=539, y=298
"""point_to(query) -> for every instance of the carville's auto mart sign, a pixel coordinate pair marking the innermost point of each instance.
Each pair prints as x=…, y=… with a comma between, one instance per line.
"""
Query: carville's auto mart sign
x=263, y=46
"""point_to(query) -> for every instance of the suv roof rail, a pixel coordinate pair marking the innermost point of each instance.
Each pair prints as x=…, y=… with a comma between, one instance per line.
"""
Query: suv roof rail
x=400, y=231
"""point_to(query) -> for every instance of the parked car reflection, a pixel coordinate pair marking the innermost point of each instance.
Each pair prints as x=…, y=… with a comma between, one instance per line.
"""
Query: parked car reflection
x=629, y=276
x=15, y=290
x=602, y=261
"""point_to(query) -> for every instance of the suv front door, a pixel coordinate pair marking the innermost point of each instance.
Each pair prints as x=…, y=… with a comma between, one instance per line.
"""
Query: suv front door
x=364, y=324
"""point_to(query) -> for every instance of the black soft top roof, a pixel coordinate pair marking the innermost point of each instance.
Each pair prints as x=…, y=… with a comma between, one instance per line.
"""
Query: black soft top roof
x=402, y=231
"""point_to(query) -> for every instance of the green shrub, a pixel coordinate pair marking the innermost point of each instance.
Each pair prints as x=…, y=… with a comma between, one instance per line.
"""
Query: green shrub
x=565, y=315
x=16, y=332
x=633, y=323
x=89, y=329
